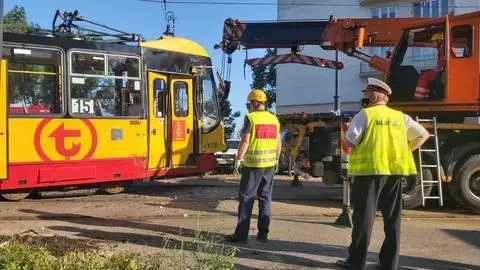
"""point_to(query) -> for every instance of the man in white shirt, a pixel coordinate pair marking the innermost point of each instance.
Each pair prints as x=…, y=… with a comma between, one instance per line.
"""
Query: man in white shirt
x=382, y=141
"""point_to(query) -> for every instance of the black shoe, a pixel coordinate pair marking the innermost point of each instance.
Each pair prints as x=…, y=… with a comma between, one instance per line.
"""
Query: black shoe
x=345, y=264
x=379, y=266
x=342, y=264
x=233, y=238
x=262, y=238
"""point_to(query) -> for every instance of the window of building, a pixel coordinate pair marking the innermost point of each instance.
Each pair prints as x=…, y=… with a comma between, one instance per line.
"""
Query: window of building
x=461, y=43
x=105, y=85
x=383, y=12
x=428, y=9
x=160, y=92
x=34, y=80
x=180, y=95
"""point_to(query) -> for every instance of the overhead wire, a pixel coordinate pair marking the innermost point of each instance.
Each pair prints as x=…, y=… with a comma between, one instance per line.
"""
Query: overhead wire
x=257, y=3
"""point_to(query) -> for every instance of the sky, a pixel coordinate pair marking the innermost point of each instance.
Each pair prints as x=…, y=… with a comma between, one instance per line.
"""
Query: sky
x=202, y=23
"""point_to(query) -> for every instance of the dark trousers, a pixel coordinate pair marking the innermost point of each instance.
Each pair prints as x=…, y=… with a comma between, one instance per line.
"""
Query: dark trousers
x=255, y=182
x=367, y=193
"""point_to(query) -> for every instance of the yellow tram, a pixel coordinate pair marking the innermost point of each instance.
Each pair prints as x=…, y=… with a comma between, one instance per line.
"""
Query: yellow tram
x=89, y=112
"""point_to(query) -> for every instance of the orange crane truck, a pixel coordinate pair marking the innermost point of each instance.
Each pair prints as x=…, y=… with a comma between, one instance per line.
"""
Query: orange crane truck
x=442, y=92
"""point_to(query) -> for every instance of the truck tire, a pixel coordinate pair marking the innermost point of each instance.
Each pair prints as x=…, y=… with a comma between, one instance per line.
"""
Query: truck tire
x=466, y=187
x=412, y=193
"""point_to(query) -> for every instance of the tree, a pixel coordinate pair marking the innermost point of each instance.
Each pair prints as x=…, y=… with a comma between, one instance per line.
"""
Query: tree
x=15, y=21
x=265, y=77
x=228, y=118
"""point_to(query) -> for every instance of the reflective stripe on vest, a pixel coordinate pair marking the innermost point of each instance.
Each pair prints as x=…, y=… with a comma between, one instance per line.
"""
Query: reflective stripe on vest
x=384, y=148
x=262, y=149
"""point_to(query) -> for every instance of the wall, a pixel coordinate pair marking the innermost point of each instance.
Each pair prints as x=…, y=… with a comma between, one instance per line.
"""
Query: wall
x=311, y=89
x=464, y=6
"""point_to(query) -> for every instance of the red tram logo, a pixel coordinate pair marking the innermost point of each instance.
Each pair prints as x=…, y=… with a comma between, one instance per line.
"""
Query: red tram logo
x=57, y=140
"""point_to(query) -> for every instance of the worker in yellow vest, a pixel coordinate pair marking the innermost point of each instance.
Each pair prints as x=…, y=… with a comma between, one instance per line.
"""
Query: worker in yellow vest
x=382, y=141
x=258, y=155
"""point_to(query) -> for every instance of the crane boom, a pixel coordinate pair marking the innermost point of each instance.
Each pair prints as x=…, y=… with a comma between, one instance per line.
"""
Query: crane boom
x=345, y=35
x=270, y=34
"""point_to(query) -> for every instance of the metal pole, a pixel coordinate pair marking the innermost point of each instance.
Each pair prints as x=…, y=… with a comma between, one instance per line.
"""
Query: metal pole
x=344, y=219
x=336, y=97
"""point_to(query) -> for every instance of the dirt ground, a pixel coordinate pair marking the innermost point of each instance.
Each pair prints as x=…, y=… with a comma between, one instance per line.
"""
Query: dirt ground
x=151, y=216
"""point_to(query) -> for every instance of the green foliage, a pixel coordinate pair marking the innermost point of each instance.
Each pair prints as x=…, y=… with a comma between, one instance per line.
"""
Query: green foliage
x=15, y=255
x=92, y=261
x=203, y=252
x=228, y=117
x=15, y=21
x=265, y=77
x=209, y=255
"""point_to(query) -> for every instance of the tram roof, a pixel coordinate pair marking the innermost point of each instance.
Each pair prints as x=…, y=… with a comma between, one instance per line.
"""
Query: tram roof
x=69, y=43
x=172, y=44
x=176, y=44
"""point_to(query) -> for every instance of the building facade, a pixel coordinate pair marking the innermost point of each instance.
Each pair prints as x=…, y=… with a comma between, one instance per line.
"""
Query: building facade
x=309, y=89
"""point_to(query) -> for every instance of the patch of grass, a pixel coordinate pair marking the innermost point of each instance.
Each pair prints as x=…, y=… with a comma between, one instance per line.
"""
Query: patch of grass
x=209, y=255
x=203, y=252
x=15, y=255
x=56, y=245
x=91, y=261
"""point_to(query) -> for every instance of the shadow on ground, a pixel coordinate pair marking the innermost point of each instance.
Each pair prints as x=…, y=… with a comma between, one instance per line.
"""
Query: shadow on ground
x=278, y=251
x=470, y=237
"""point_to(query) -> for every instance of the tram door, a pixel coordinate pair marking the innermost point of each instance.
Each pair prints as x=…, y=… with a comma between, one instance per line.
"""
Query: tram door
x=182, y=127
x=158, y=149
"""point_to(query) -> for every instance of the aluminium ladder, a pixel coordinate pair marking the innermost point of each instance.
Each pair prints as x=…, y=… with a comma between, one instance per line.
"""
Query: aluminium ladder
x=437, y=180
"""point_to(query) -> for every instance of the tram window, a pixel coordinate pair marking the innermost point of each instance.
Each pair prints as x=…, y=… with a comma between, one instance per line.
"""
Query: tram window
x=88, y=63
x=97, y=92
x=34, y=81
x=123, y=66
x=210, y=111
x=181, y=99
x=461, y=42
x=159, y=97
x=107, y=97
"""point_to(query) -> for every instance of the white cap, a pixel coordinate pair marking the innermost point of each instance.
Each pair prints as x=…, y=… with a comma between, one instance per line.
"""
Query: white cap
x=378, y=84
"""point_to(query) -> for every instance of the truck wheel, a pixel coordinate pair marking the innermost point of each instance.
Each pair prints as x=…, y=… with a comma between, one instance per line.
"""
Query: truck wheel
x=467, y=184
x=412, y=193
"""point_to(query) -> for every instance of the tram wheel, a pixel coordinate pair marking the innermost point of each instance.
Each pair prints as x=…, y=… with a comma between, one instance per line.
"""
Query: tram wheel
x=15, y=195
x=114, y=187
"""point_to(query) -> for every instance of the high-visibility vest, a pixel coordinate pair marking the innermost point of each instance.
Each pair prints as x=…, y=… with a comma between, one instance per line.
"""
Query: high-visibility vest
x=264, y=136
x=384, y=148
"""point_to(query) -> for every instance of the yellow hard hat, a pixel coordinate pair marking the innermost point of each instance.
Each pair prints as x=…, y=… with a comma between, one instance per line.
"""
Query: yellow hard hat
x=257, y=95
x=437, y=36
